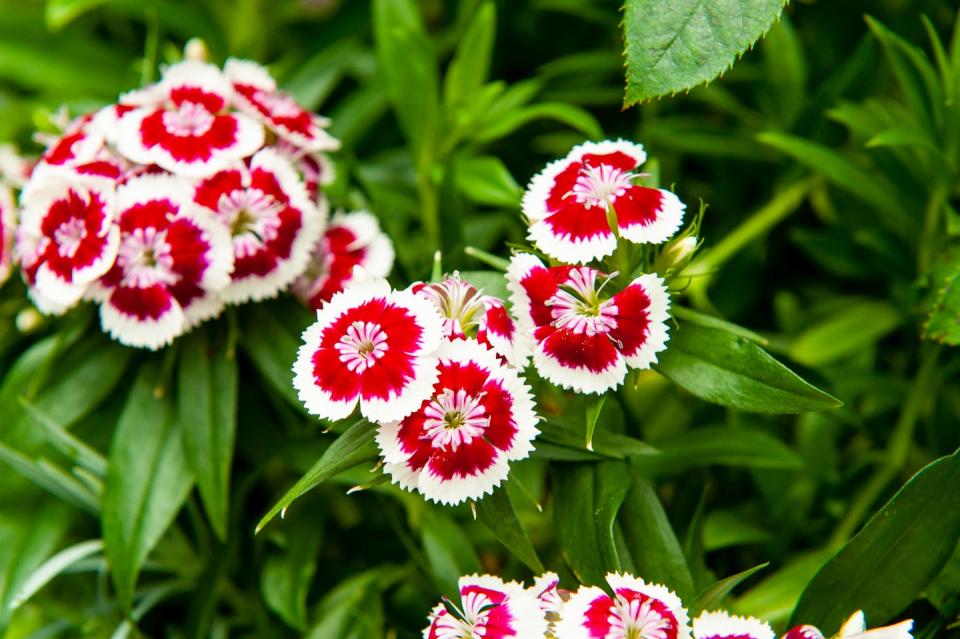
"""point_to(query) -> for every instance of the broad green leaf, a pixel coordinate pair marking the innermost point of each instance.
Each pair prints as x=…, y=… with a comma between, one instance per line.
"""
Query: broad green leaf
x=147, y=480
x=574, y=117
x=207, y=414
x=726, y=528
x=710, y=321
x=712, y=597
x=408, y=70
x=355, y=446
x=471, y=63
x=650, y=538
x=497, y=512
x=869, y=186
x=485, y=180
x=903, y=136
x=723, y=447
x=285, y=578
x=675, y=46
x=896, y=554
x=852, y=328
x=729, y=370
x=569, y=433
x=353, y=609
x=449, y=551
x=25, y=542
x=943, y=304
x=52, y=567
x=775, y=597
x=942, y=592
x=586, y=502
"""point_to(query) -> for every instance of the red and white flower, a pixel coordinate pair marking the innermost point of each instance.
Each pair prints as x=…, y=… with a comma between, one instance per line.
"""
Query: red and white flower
x=586, y=342
x=317, y=169
x=458, y=444
x=79, y=143
x=190, y=132
x=8, y=225
x=722, y=625
x=489, y=608
x=370, y=345
x=546, y=589
x=66, y=239
x=855, y=627
x=255, y=92
x=637, y=609
x=467, y=312
x=272, y=223
x=173, y=258
x=567, y=204
x=350, y=240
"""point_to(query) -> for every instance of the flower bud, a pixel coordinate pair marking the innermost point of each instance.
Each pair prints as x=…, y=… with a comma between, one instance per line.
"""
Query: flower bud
x=677, y=254
x=196, y=49
x=28, y=320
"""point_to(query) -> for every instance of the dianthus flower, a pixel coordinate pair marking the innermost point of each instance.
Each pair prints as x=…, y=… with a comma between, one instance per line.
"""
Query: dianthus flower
x=467, y=312
x=350, y=240
x=570, y=204
x=855, y=627
x=8, y=225
x=172, y=261
x=272, y=223
x=488, y=608
x=370, y=345
x=637, y=609
x=458, y=444
x=722, y=625
x=584, y=341
x=188, y=128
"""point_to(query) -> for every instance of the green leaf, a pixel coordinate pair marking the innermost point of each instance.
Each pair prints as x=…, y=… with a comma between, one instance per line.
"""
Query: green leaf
x=852, y=328
x=52, y=478
x=902, y=136
x=485, y=180
x=594, y=408
x=497, y=512
x=723, y=447
x=650, y=538
x=147, y=480
x=490, y=282
x=867, y=185
x=710, y=321
x=52, y=567
x=354, y=447
x=574, y=117
x=25, y=542
x=408, y=70
x=674, y=46
x=273, y=349
x=896, y=554
x=729, y=370
x=587, y=499
x=775, y=597
x=286, y=577
x=448, y=550
x=61, y=12
x=353, y=609
x=471, y=63
x=712, y=597
x=943, y=304
x=207, y=414
x=75, y=450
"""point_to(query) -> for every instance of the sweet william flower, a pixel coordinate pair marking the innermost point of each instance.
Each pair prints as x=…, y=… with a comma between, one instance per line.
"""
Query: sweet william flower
x=185, y=125
x=372, y=346
x=722, y=625
x=172, y=260
x=273, y=224
x=467, y=312
x=457, y=445
x=636, y=609
x=350, y=240
x=855, y=627
x=255, y=92
x=488, y=608
x=585, y=341
x=8, y=225
x=66, y=238
x=568, y=204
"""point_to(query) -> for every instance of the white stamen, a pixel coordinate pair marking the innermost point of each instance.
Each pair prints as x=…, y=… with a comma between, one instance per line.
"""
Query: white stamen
x=362, y=345
x=601, y=185
x=636, y=619
x=69, y=236
x=189, y=120
x=454, y=418
x=146, y=258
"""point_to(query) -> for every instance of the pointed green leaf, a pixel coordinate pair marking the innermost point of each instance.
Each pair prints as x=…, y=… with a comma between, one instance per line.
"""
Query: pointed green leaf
x=729, y=370
x=471, y=63
x=207, y=415
x=721, y=446
x=147, y=480
x=52, y=567
x=497, y=512
x=712, y=597
x=286, y=577
x=675, y=46
x=896, y=554
x=354, y=447
x=852, y=328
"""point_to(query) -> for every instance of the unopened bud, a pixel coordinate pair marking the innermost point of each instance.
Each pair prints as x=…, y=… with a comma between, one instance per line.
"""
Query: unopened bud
x=28, y=320
x=196, y=49
x=677, y=254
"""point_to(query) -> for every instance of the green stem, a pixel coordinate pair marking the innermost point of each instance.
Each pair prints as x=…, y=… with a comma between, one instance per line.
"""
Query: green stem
x=898, y=448
x=931, y=222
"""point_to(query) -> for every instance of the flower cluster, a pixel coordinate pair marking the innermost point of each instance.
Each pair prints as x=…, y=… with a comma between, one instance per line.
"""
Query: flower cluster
x=201, y=190
x=632, y=609
x=439, y=365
